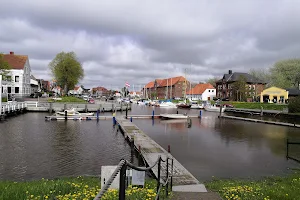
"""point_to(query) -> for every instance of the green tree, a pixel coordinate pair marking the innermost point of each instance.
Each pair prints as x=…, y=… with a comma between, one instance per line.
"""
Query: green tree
x=262, y=74
x=4, y=66
x=213, y=81
x=67, y=70
x=239, y=89
x=286, y=73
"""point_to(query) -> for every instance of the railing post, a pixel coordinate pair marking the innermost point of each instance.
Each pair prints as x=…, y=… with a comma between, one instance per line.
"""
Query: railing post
x=158, y=175
x=167, y=175
x=172, y=164
x=126, y=110
x=287, y=148
x=36, y=104
x=122, y=182
x=66, y=115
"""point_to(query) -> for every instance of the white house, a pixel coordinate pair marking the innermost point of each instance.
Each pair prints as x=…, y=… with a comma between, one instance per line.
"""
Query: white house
x=203, y=92
x=34, y=84
x=135, y=94
x=18, y=77
x=77, y=91
x=57, y=90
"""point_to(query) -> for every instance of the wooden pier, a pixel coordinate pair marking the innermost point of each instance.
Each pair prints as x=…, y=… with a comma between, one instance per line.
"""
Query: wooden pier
x=150, y=150
x=11, y=108
x=261, y=121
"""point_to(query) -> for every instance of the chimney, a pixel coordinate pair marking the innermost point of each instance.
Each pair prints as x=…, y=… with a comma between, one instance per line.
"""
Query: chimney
x=230, y=72
x=11, y=53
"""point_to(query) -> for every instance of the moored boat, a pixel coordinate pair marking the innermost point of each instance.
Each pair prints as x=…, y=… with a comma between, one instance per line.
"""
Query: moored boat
x=213, y=108
x=173, y=116
x=184, y=105
x=73, y=112
x=197, y=106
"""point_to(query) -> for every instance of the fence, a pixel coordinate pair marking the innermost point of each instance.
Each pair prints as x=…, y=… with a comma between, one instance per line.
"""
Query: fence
x=287, y=150
x=121, y=168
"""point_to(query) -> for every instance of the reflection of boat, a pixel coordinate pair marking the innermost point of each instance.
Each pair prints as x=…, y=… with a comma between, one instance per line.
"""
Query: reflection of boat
x=184, y=105
x=213, y=108
x=197, y=106
x=73, y=112
x=173, y=121
x=173, y=116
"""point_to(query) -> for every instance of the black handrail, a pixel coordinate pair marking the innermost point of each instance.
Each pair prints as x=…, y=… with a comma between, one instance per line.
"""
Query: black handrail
x=122, y=166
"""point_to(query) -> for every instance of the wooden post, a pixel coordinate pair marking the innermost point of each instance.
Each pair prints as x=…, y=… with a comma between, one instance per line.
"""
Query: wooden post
x=86, y=108
x=66, y=115
x=65, y=106
x=220, y=110
x=50, y=108
x=261, y=111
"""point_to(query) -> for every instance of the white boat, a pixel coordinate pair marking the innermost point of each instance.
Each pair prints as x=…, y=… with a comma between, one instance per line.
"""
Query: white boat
x=213, y=108
x=197, y=106
x=167, y=105
x=73, y=112
x=173, y=116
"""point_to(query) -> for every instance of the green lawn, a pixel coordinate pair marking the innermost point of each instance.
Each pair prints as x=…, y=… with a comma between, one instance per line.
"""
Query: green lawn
x=254, y=105
x=69, y=100
x=277, y=188
x=70, y=188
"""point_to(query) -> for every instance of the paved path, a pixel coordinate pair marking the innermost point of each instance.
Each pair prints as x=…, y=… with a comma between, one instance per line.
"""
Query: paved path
x=195, y=196
x=150, y=150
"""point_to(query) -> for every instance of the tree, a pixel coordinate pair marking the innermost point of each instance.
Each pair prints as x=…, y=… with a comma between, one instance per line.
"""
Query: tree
x=286, y=73
x=262, y=74
x=4, y=66
x=67, y=70
x=239, y=89
x=213, y=81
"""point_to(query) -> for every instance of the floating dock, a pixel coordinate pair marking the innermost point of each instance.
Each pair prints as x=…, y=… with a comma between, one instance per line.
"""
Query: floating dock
x=262, y=121
x=150, y=150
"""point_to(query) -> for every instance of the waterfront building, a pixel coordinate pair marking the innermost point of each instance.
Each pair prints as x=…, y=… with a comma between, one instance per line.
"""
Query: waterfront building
x=78, y=90
x=100, y=91
x=202, y=91
x=34, y=85
x=274, y=95
x=174, y=87
x=226, y=86
x=18, y=77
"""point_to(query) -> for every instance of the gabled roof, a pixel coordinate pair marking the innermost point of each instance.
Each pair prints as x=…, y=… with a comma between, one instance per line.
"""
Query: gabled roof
x=76, y=88
x=236, y=75
x=150, y=85
x=15, y=61
x=200, y=88
x=171, y=81
x=99, y=89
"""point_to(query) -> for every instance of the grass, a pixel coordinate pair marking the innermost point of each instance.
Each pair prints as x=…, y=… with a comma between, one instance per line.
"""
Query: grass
x=69, y=100
x=283, y=188
x=70, y=188
x=254, y=105
x=4, y=99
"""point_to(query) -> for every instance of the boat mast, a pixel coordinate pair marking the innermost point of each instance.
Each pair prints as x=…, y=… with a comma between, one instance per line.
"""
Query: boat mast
x=167, y=88
x=171, y=95
x=185, y=86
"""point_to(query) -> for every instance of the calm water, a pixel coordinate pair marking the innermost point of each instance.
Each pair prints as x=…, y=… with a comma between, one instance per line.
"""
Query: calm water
x=32, y=148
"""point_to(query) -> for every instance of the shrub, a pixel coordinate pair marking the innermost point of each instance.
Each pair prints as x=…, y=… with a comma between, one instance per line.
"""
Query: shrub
x=4, y=99
x=294, y=105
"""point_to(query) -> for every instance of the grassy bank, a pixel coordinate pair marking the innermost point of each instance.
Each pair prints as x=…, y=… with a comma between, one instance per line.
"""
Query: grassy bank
x=4, y=99
x=70, y=188
x=254, y=105
x=68, y=100
x=283, y=188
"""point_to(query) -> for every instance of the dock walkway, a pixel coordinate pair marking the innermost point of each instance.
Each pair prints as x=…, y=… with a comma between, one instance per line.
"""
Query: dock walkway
x=183, y=180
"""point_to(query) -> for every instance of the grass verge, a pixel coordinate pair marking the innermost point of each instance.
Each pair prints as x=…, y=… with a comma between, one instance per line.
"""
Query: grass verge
x=254, y=105
x=68, y=100
x=283, y=188
x=78, y=188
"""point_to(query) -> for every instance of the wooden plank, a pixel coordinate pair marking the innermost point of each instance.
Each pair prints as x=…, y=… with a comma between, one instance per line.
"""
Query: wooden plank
x=150, y=150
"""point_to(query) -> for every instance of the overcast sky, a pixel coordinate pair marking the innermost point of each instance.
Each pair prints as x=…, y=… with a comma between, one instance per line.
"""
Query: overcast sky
x=138, y=41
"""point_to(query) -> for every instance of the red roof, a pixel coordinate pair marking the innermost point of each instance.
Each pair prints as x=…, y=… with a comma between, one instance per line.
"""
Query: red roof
x=15, y=61
x=200, y=88
x=171, y=81
x=100, y=89
x=150, y=85
x=76, y=88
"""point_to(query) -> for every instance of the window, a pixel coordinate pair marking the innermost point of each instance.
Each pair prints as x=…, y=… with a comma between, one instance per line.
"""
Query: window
x=9, y=90
x=16, y=78
x=208, y=90
x=17, y=90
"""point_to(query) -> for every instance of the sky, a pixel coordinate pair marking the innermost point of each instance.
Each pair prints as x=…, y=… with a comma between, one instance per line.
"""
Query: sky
x=138, y=41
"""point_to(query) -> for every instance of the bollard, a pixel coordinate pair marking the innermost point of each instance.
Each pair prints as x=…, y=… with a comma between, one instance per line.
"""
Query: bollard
x=98, y=111
x=153, y=113
x=114, y=120
x=177, y=112
x=50, y=109
x=86, y=108
x=130, y=119
x=122, y=182
x=65, y=106
x=126, y=112
x=200, y=114
x=169, y=149
x=66, y=115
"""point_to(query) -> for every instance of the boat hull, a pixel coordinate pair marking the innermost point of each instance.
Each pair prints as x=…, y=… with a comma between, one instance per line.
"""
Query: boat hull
x=173, y=116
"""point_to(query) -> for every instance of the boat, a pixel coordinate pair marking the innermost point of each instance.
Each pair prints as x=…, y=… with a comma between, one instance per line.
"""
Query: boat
x=73, y=112
x=167, y=105
x=173, y=116
x=197, y=106
x=184, y=105
x=214, y=108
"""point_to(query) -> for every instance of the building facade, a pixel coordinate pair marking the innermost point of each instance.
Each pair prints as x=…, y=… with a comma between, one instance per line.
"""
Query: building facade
x=175, y=87
x=100, y=91
x=203, y=92
x=239, y=86
x=18, y=77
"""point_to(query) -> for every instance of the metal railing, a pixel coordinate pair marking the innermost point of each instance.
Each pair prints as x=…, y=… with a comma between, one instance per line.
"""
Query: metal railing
x=121, y=168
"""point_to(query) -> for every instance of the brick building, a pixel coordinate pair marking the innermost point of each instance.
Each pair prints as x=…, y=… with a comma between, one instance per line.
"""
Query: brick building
x=226, y=88
x=100, y=91
x=174, y=87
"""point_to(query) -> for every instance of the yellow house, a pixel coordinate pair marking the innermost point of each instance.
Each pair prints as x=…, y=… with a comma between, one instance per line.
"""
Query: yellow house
x=274, y=95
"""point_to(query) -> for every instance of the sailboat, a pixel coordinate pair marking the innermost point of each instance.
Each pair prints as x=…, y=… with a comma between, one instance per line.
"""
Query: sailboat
x=184, y=105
